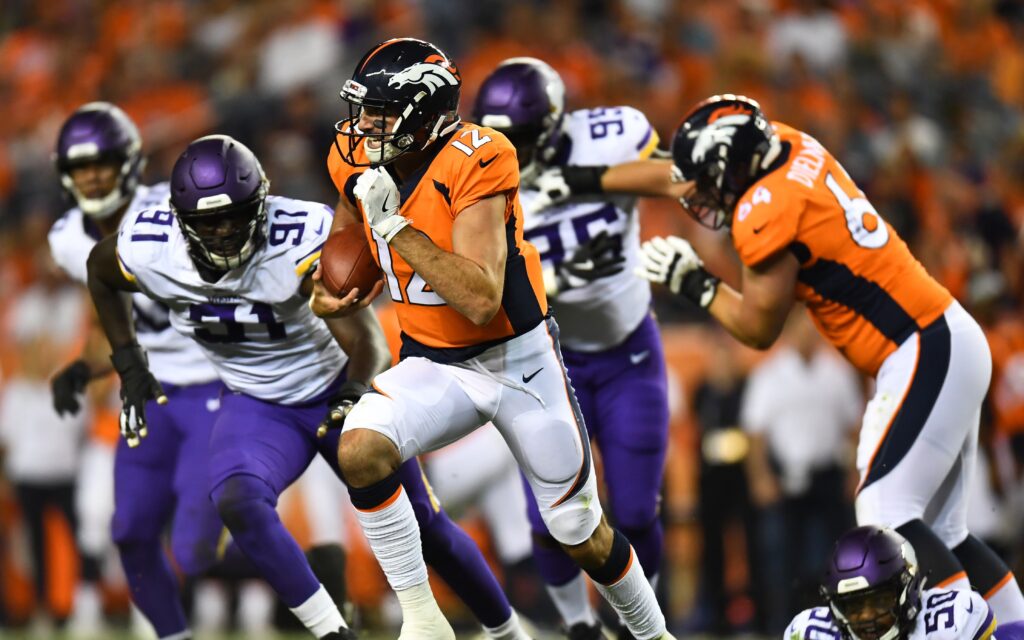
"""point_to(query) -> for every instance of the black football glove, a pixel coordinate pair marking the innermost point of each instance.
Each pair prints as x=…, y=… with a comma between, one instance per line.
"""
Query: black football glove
x=339, y=406
x=138, y=386
x=68, y=385
x=599, y=257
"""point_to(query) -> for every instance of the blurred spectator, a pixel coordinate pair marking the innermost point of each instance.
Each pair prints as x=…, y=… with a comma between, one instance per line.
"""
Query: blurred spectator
x=41, y=449
x=921, y=101
x=726, y=605
x=801, y=411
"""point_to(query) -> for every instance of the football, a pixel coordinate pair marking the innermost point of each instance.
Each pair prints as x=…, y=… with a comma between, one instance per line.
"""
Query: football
x=347, y=262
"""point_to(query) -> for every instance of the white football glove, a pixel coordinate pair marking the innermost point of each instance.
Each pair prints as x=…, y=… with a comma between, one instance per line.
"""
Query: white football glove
x=673, y=262
x=377, y=192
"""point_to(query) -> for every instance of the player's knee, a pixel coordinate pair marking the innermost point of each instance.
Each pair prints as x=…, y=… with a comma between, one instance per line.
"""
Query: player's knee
x=593, y=553
x=241, y=501
x=573, y=525
x=129, y=525
x=551, y=447
x=638, y=515
x=192, y=556
x=366, y=457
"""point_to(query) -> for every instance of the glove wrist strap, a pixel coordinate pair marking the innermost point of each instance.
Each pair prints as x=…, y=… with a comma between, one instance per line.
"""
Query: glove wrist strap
x=584, y=180
x=128, y=357
x=389, y=227
x=700, y=287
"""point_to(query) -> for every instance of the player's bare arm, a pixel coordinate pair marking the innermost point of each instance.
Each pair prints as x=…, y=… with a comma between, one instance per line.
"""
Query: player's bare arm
x=653, y=177
x=359, y=334
x=107, y=286
x=471, y=278
x=756, y=314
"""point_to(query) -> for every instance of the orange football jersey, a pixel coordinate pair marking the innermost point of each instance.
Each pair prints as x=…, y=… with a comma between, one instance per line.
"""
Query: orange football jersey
x=468, y=165
x=864, y=289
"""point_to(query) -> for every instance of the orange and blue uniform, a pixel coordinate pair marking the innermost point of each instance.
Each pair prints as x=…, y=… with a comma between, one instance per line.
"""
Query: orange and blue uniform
x=864, y=289
x=470, y=164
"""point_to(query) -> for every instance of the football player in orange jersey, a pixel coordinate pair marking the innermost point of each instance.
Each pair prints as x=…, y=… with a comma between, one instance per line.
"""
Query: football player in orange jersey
x=804, y=231
x=439, y=202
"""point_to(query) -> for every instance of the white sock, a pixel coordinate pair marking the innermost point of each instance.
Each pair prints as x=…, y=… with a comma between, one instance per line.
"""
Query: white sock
x=418, y=603
x=1006, y=601
x=654, y=586
x=210, y=607
x=633, y=599
x=510, y=630
x=572, y=600
x=319, y=614
x=394, y=537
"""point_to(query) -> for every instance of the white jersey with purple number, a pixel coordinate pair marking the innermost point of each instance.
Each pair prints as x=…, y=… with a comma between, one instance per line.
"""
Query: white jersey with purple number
x=173, y=358
x=602, y=313
x=253, y=324
x=945, y=615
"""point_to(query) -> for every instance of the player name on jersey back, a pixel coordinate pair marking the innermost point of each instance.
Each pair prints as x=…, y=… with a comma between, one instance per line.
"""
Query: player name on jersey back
x=253, y=324
x=944, y=615
x=173, y=358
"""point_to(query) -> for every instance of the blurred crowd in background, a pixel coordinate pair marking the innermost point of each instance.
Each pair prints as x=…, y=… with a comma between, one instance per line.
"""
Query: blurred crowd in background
x=921, y=100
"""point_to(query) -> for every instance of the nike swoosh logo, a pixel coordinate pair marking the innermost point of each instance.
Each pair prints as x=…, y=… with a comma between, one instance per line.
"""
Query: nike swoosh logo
x=527, y=378
x=384, y=205
x=321, y=228
x=971, y=608
x=484, y=164
x=758, y=229
x=637, y=358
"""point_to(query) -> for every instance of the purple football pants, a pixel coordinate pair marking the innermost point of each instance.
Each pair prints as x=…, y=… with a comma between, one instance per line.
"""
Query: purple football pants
x=163, y=481
x=258, y=448
x=623, y=394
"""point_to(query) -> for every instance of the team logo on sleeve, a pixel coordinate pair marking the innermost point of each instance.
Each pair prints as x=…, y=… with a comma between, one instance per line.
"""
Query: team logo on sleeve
x=432, y=76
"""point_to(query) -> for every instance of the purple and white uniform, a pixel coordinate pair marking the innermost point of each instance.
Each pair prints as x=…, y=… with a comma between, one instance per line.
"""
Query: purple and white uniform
x=280, y=364
x=944, y=615
x=165, y=480
x=610, y=341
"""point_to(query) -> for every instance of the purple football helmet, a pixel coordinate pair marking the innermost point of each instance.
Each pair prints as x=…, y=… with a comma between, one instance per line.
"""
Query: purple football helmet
x=218, y=194
x=524, y=98
x=872, y=584
x=725, y=144
x=409, y=80
x=99, y=132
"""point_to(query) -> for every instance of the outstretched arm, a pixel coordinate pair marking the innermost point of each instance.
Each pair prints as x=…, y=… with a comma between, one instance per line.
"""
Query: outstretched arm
x=754, y=315
x=107, y=284
x=361, y=337
x=653, y=177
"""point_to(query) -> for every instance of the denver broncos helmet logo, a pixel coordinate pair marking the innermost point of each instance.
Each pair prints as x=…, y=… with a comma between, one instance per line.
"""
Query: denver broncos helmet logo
x=719, y=132
x=432, y=76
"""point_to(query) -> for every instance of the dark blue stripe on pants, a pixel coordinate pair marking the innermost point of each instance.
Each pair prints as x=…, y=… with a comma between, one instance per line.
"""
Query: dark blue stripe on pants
x=932, y=366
